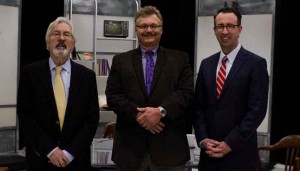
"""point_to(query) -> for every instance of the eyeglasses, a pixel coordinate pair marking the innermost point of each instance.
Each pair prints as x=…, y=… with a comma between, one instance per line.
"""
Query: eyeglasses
x=145, y=27
x=229, y=27
x=57, y=35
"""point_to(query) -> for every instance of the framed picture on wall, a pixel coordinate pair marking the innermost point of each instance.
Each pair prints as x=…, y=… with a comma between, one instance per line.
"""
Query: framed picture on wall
x=104, y=7
x=210, y=7
x=10, y=2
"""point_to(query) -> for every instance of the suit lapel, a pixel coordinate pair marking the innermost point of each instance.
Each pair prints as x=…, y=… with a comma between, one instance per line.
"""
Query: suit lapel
x=236, y=66
x=160, y=62
x=212, y=74
x=138, y=67
x=74, y=85
x=44, y=74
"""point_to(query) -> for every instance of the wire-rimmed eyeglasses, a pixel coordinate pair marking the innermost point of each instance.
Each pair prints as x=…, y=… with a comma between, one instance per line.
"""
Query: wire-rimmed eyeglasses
x=229, y=27
x=57, y=35
x=144, y=27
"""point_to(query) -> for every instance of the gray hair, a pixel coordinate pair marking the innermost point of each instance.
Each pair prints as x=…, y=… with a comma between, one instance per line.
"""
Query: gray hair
x=55, y=23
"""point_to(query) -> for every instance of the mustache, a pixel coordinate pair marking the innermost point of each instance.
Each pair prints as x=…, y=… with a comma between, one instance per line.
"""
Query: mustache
x=61, y=44
x=150, y=34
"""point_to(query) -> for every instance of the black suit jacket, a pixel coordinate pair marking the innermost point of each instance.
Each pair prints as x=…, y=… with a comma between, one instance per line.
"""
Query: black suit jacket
x=37, y=112
x=236, y=115
x=172, y=88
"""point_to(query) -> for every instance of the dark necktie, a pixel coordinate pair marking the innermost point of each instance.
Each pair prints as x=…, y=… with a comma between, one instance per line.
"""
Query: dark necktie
x=221, y=76
x=149, y=70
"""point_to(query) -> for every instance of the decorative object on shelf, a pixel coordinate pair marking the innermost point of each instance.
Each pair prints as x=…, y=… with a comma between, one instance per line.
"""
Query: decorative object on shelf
x=86, y=56
x=115, y=28
x=102, y=102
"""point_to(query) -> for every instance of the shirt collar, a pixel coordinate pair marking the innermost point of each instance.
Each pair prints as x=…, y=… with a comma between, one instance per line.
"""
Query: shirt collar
x=232, y=55
x=153, y=50
x=66, y=66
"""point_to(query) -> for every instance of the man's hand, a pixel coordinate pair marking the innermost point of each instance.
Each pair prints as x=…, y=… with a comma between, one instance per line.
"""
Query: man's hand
x=58, y=158
x=157, y=128
x=215, y=148
x=149, y=118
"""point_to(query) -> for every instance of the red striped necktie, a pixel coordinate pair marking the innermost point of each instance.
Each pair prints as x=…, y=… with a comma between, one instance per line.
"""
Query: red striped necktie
x=221, y=76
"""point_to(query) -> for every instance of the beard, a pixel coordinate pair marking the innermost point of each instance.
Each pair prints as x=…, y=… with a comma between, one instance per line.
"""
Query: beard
x=61, y=54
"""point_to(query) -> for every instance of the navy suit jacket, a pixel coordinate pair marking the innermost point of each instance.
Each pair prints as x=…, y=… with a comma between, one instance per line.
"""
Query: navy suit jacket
x=38, y=117
x=172, y=88
x=236, y=115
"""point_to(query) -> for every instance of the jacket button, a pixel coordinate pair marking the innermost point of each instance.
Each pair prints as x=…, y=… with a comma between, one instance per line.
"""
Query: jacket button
x=57, y=122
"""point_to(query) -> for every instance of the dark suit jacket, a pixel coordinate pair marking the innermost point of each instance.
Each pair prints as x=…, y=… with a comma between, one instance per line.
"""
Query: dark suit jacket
x=39, y=119
x=236, y=115
x=172, y=88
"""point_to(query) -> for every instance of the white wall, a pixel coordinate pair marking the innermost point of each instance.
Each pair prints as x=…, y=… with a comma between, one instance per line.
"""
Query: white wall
x=9, y=54
x=9, y=27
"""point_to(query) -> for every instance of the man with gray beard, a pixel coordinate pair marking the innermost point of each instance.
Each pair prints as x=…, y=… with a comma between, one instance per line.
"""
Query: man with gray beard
x=58, y=127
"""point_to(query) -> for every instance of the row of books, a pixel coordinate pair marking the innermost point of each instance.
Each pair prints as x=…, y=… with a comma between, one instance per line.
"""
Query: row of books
x=102, y=157
x=101, y=151
x=103, y=67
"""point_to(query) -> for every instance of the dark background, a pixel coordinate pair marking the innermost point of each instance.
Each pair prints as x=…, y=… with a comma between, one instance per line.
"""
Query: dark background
x=179, y=33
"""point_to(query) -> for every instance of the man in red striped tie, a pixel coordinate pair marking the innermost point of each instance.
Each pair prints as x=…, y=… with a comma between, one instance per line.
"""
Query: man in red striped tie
x=231, y=97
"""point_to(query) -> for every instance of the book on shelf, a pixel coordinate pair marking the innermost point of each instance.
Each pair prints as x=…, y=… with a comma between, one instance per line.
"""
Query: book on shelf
x=102, y=102
x=103, y=69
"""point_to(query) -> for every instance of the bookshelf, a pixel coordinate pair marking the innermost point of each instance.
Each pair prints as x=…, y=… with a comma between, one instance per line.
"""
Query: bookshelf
x=88, y=19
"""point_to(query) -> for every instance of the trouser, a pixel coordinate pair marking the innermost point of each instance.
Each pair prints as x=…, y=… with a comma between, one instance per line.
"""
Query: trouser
x=147, y=165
